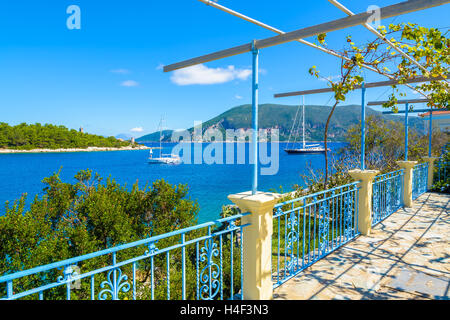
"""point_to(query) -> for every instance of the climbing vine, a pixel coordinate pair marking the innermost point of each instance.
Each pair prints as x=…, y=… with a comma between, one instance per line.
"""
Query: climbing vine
x=429, y=47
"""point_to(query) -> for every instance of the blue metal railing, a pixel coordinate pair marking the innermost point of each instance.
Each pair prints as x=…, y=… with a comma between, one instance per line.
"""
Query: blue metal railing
x=419, y=180
x=202, y=262
x=442, y=170
x=387, y=196
x=308, y=228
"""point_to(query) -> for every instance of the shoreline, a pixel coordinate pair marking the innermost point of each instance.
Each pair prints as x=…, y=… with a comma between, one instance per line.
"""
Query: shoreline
x=68, y=150
x=166, y=142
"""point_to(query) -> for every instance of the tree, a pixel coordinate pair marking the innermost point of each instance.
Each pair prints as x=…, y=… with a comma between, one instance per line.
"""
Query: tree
x=73, y=219
x=428, y=46
x=26, y=137
x=91, y=215
x=385, y=143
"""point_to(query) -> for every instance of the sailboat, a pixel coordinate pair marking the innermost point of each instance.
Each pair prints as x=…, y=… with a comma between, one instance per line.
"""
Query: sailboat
x=163, y=158
x=306, y=149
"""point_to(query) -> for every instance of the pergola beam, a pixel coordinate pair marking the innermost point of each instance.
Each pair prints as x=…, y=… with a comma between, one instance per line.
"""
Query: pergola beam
x=406, y=112
x=278, y=31
x=379, y=35
x=310, y=44
x=367, y=85
x=385, y=12
x=414, y=111
x=379, y=103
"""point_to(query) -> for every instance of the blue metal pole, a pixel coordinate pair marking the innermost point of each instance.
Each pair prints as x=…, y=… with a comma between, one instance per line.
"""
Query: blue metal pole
x=363, y=127
x=406, y=131
x=255, y=118
x=430, y=133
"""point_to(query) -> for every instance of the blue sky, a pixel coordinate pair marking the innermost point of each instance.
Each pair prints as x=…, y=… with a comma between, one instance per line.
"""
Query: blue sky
x=107, y=77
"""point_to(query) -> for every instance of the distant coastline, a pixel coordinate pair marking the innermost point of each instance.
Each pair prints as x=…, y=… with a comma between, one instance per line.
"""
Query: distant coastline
x=283, y=141
x=88, y=149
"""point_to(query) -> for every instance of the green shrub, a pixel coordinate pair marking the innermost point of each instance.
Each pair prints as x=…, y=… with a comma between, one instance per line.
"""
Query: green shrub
x=442, y=186
x=70, y=220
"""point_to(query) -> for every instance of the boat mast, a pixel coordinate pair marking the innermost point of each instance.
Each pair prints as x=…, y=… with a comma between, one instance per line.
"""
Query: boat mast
x=293, y=126
x=303, y=125
x=160, y=137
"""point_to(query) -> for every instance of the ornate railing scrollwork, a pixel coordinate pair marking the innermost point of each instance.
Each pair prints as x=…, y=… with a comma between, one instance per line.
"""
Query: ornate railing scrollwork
x=209, y=276
x=324, y=226
x=116, y=283
x=291, y=240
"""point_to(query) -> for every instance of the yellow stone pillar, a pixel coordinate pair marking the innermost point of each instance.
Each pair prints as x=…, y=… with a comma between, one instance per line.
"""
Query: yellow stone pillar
x=430, y=161
x=257, y=242
x=407, y=166
x=365, y=198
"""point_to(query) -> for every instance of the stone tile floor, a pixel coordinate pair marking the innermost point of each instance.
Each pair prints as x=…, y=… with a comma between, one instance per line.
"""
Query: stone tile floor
x=407, y=256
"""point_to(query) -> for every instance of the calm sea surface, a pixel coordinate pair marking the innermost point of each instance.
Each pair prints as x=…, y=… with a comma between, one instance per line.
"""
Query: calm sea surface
x=208, y=184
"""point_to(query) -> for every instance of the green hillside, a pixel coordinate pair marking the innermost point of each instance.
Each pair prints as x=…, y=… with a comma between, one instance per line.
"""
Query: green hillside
x=154, y=137
x=282, y=117
x=36, y=136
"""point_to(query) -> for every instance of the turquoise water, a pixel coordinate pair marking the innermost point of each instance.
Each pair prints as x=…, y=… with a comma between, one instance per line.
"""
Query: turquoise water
x=209, y=184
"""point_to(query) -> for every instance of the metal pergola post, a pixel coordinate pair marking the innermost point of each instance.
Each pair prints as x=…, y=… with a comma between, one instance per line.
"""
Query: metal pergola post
x=367, y=86
x=255, y=84
x=296, y=35
x=406, y=112
x=406, y=130
x=363, y=88
x=339, y=24
x=430, y=133
x=363, y=127
x=268, y=27
x=379, y=35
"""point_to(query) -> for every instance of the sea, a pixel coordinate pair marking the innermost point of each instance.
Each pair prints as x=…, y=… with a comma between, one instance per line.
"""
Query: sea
x=209, y=184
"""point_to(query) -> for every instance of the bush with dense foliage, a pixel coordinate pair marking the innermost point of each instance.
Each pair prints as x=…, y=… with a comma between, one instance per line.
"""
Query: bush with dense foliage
x=385, y=143
x=70, y=220
x=442, y=186
x=442, y=172
x=429, y=47
x=36, y=136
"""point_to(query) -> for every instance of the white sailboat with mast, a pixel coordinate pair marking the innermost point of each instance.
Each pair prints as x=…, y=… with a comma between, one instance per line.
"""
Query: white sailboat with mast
x=163, y=158
x=310, y=149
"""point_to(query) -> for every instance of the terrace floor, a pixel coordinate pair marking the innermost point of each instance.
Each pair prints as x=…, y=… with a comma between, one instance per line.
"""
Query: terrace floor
x=407, y=256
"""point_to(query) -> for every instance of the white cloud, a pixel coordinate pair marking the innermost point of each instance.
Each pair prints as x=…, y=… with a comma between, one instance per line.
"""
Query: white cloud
x=160, y=66
x=201, y=74
x=121, y=71
x=129, y=83
x=137, y=129
x=238, y=97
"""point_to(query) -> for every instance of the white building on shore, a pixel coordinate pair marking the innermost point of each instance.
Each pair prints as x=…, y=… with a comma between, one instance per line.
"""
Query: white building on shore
x=441, y=120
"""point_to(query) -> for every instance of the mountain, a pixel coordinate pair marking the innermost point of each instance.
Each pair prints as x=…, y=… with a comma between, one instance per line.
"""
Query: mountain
x=123, y=136
x=281, y=117
x=154, y=137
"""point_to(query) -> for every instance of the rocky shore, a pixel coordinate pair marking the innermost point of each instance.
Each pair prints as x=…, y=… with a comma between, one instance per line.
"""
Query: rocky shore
x=89, y=149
